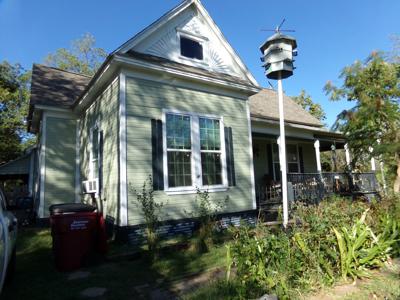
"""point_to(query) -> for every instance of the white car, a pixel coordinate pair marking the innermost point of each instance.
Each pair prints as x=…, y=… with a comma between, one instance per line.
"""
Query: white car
x=8, y=237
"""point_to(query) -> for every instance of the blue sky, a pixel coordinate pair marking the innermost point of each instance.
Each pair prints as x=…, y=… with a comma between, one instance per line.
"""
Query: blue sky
x=330, y=34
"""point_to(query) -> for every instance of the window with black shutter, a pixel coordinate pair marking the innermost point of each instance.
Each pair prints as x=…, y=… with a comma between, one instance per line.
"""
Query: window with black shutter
x=197, y=152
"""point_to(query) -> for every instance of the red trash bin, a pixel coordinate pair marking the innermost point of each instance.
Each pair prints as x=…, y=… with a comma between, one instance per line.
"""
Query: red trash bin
x=74, y=228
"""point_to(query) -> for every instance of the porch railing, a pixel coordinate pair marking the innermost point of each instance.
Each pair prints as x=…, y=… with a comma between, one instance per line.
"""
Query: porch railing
x=313, y=187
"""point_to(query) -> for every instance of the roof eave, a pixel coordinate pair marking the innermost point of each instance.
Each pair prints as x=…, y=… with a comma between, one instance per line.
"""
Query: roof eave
x=248, y=89
x=269, y=119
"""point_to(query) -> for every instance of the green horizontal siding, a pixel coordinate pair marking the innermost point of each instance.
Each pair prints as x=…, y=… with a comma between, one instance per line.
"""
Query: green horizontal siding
x=145, y=101
x=104, y=112
x=59, y=184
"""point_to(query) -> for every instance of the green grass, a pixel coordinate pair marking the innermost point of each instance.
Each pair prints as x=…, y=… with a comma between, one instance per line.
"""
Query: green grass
x=37, y=278
x=384, y=285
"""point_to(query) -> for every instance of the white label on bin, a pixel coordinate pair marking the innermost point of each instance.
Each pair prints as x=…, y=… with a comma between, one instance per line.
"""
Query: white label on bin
x=79, y=224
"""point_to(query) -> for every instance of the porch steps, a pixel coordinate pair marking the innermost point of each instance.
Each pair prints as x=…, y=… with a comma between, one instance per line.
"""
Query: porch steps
x=270, y=210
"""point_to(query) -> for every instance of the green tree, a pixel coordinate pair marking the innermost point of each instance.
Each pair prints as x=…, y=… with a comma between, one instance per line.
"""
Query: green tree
x=83, y=57
x=14, y=99
x=374, y=121
x=306, y=102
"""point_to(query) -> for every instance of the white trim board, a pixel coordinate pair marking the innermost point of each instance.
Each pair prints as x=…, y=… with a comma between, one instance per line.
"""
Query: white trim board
x=252, y=179
x=180, y=73
x=123, y=184
x=196, y=170
x=42, y=165
x=77, y=162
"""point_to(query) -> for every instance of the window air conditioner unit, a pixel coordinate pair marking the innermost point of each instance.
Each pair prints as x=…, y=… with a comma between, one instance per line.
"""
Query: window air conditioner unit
x=90, y=186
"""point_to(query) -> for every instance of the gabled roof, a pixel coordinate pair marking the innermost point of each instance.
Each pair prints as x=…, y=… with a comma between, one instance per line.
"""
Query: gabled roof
x=18, y=166
x=55, y=87
x=264, y=105
x=173, y=13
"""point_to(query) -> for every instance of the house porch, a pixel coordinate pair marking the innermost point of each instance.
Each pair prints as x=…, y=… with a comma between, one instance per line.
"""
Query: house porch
x=306, y=181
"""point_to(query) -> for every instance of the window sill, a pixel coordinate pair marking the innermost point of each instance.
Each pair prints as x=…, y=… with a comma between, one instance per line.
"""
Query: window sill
x=194, y=61
x=194, y=191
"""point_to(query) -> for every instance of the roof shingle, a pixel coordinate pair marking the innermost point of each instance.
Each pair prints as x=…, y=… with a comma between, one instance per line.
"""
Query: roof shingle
x=265, y=105
x=55, y=87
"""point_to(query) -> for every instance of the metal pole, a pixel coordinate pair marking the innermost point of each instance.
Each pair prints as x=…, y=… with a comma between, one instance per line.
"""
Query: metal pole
x=282, y=153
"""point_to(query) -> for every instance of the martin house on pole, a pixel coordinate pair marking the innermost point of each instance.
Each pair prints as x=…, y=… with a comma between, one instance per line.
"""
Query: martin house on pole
x=176, y=102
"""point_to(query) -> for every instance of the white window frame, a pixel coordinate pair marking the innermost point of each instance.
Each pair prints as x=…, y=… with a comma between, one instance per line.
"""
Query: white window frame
x=93, y=174
x=195, y=155
x=197, y=38
x=275, y=160
x=298, y=158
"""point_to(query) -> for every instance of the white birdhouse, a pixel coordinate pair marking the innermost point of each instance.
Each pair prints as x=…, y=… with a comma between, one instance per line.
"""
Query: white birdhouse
x=278, y=53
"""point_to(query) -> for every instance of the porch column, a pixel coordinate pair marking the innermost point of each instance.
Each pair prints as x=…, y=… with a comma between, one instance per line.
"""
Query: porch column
x=347, y=152
x=382, y=171
x=373, y=166
x=318, y=156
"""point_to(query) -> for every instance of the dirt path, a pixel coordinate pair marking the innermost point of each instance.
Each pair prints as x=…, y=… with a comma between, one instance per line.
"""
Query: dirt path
x=381, y=285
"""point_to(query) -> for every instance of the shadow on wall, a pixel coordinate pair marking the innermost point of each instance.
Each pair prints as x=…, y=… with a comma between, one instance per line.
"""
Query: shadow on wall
x=145, y=101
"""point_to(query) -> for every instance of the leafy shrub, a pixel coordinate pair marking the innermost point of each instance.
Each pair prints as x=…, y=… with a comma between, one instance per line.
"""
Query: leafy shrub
x=313, y=252
x=151, y=211
x=360, y=249
x=206, y=212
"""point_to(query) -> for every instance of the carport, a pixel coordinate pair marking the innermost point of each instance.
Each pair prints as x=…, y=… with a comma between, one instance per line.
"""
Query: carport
x=16, y=176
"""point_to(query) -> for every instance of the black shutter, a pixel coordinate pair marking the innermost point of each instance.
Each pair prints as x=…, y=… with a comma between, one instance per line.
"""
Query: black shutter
x=157, y=154
x=101, y=163
x=301, y=159
x=270, y=161
x=230, y=161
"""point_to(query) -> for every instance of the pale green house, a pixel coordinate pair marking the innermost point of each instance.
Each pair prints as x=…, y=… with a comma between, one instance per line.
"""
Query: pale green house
x=175, y=102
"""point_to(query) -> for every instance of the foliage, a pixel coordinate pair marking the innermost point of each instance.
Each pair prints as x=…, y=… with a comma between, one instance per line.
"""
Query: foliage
x=151, y=212
x=312, y=253
x=386, y=218
x=330, y=159
x=306, y=102
x=206, y=212
x=374, y=87
x=83, y=57
x=360, y=249
x=14, y=99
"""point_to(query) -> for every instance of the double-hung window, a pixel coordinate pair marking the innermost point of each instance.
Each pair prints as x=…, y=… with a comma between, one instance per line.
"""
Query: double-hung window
x=194, y=152
x=94, y=154
x=292, y=160
x=210, y=148
x=179, y=150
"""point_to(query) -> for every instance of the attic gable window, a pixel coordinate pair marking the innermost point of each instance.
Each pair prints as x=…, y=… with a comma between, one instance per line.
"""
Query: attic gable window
x=191, y=48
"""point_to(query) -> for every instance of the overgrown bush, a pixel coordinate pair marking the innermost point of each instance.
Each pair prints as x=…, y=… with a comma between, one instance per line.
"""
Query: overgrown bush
x=360, y=249
x=206, y=212
x=151, y=212
x=314, y=252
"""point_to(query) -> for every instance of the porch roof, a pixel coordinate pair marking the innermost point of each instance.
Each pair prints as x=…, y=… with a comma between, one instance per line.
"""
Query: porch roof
x=326, y=141
x=264, y=105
